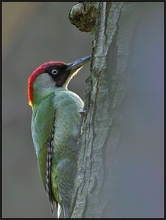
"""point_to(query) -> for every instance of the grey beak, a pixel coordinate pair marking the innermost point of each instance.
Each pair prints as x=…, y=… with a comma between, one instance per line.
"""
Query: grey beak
x=78, y=64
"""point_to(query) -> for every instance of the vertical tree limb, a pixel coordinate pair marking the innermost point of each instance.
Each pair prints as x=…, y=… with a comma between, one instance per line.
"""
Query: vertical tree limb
x=112, y=36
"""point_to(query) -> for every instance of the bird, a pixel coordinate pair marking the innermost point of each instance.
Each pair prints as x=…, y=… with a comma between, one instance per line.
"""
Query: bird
x=56, y=127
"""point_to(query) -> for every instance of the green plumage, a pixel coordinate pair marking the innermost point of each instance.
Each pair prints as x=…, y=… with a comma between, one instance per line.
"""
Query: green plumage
x=58, y=112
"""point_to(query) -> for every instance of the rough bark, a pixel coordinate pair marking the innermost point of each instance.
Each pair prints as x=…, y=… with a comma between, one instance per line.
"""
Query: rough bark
x=106, y=90
x=103, y=129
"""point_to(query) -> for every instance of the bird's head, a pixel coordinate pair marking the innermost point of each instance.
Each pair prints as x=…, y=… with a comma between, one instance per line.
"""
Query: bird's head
x=51, y=75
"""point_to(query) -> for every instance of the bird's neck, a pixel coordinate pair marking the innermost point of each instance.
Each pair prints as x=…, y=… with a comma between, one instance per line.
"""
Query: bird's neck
x=41, y=94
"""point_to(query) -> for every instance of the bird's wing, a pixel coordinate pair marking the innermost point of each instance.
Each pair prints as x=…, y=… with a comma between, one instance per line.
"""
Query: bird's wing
x=43, y=119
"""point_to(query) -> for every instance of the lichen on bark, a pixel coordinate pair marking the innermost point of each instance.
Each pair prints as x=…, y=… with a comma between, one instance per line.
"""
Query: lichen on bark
x=83, y=16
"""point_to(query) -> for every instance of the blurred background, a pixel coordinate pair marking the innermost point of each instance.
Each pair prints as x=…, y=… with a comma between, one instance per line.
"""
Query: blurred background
x=36, y=32
x=32, y=33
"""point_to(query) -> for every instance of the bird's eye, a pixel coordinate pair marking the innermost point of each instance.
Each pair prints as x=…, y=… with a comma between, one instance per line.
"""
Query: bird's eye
x=54, y=71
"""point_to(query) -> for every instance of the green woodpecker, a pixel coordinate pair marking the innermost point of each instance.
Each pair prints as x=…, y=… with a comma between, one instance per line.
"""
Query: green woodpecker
x=55, y=126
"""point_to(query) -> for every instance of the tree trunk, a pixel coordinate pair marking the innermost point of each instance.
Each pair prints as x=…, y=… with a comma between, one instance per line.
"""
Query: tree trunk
x=120, y=137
